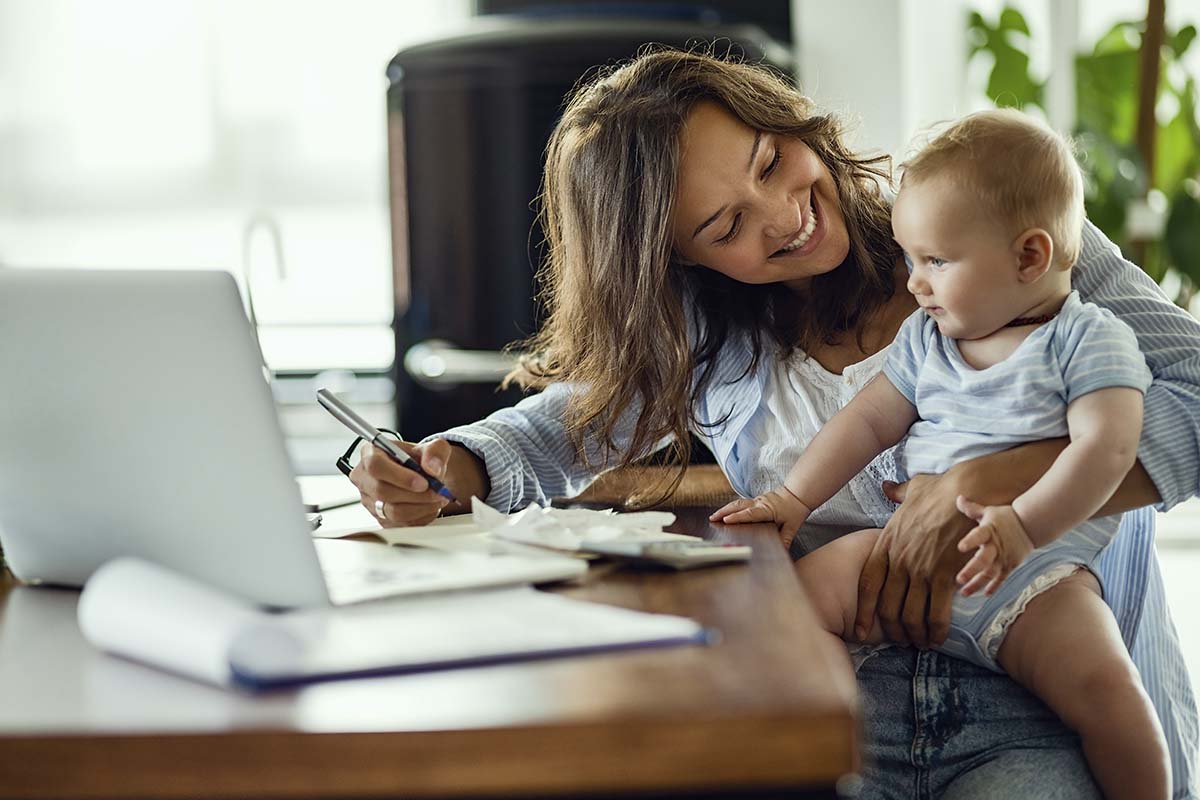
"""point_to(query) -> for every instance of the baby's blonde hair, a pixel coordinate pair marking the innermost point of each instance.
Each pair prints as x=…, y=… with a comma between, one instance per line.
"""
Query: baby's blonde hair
x=1020, y=171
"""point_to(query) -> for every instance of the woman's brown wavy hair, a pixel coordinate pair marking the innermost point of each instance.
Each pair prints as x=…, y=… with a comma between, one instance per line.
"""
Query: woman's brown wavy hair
x=617, y=298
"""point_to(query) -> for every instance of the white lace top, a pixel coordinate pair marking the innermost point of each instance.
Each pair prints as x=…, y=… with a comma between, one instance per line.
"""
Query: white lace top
x=799, y=396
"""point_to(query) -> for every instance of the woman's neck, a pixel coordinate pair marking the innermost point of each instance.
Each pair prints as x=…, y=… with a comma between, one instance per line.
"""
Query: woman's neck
x=891, y=315
x=877, y=330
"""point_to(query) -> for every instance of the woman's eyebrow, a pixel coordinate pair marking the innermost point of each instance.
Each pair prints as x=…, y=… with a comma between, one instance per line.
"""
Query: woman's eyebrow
x=710, y=220
x=721, y=210
x=754, y=150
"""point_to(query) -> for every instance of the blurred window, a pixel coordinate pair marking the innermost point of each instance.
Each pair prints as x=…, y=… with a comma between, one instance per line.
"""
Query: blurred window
x=143, y=134
x=219, y=134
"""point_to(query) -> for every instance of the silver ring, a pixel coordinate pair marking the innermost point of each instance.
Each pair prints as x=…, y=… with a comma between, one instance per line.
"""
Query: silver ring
x=379, y=509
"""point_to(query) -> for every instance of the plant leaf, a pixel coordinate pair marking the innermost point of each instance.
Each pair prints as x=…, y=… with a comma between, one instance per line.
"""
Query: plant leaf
x=1010, y=84
x=1108, y=190
x=1175, y=151
x=979, y=34
x=1181, y=41
x=1182, y=234
x=1105, y=91
x=1119, y=39
x=1013, y=20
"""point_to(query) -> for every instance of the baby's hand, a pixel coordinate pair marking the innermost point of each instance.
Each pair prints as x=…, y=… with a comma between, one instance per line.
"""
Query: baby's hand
x=1000, y=543
x=778, y=505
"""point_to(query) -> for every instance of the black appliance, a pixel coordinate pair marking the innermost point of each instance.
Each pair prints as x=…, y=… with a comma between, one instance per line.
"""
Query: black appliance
x=468, y=120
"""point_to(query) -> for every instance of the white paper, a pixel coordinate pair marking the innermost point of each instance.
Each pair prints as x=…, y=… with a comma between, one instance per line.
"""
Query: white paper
x=570, y=528
x=154, y=615
x=358, y=520
x=360, y=571
x=447, y=630
x=150, y=614
x=486, y=530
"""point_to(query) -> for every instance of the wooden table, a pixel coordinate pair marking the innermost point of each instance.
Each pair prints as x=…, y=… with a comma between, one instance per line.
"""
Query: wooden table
x=767, y=710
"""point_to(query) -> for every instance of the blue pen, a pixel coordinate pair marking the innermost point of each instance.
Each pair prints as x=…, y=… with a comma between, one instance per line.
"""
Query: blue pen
x=345, y=415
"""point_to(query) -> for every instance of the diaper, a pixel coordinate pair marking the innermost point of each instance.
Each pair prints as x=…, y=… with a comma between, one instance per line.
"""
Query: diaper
x=977, y=629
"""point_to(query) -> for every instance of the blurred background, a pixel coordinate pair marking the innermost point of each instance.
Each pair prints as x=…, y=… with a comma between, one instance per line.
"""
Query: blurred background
x=366, y=168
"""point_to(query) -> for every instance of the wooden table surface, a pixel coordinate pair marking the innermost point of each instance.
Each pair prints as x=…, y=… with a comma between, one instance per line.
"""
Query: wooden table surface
x=767, y=708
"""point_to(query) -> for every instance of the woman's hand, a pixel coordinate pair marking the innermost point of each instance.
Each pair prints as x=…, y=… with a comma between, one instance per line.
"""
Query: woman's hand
x=909, y=578
x=778, y=505
x=399, y=497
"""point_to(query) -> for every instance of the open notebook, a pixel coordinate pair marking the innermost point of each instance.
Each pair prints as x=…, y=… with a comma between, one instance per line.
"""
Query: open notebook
x=148, y=613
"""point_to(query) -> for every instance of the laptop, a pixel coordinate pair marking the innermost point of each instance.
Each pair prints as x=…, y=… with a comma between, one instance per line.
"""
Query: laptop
x=137, y=421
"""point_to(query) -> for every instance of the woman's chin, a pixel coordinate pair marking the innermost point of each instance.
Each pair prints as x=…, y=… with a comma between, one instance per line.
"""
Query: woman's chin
x=819, y=262
x=799, y=285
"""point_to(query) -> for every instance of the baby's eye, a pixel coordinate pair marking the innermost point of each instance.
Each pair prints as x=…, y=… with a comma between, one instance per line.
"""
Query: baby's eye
x=936, y=262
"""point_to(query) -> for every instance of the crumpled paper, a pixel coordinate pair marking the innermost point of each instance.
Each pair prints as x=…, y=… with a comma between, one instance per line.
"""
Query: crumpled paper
x=569, y=528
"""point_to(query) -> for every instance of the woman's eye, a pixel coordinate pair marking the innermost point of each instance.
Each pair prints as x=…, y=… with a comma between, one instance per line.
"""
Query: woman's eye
x=733, y=229
x=774, y=163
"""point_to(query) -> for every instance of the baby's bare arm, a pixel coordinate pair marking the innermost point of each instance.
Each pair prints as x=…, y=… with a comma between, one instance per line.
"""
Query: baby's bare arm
x=874, y=420
x=1105, y=426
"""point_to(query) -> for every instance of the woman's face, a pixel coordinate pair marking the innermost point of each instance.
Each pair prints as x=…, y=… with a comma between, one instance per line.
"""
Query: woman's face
x=755, y=206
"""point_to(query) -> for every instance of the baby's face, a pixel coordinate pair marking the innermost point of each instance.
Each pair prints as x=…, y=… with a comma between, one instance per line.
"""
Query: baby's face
x=964, y=265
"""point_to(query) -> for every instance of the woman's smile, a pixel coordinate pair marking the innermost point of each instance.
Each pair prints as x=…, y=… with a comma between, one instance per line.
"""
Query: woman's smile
x=808, y=238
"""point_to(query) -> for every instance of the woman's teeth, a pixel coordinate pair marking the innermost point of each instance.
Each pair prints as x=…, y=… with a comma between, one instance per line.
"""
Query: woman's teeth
x=805, y=234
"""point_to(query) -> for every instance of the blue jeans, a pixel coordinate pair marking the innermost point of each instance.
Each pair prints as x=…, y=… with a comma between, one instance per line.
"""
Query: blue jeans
x=938, y=727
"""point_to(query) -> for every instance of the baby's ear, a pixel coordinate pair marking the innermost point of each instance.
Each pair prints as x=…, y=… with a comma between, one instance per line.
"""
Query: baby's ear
x=1035, y=254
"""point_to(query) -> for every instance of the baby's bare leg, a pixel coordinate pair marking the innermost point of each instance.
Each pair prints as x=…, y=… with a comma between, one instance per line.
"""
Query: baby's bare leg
x=1066, y=648
x=829, y=576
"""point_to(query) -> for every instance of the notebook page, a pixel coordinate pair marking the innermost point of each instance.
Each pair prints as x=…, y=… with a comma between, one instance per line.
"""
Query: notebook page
x=148, y=613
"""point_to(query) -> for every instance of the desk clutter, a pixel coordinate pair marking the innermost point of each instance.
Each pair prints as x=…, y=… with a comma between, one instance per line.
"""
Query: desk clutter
x=635, y=537
x=146, y=612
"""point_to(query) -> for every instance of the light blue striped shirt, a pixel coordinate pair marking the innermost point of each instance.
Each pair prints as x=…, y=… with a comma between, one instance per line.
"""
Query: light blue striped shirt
x=529, y=458
x=966, y=412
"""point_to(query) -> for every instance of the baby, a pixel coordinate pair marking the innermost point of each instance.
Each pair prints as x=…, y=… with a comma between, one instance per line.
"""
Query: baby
x=1001, y=352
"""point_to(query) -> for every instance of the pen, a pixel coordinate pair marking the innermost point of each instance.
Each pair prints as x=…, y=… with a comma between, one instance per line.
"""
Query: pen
x=345, y=415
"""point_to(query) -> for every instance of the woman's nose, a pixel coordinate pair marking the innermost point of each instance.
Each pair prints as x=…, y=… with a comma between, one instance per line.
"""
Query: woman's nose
x=783, y=217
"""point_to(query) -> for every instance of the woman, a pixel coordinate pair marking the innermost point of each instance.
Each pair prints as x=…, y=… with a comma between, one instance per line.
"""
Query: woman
x=719, y=263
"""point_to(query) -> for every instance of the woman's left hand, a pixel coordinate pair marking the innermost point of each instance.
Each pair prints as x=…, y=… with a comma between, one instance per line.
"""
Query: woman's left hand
x=909, y=578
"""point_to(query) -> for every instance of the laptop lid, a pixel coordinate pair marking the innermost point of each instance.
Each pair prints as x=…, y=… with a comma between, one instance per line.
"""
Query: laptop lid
x=135, y=420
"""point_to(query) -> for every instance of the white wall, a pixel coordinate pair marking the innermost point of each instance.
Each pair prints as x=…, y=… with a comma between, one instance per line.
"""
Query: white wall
x=895, y=66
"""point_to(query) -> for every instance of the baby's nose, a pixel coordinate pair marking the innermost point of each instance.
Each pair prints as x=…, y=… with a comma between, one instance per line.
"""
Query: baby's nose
x=917, y=283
